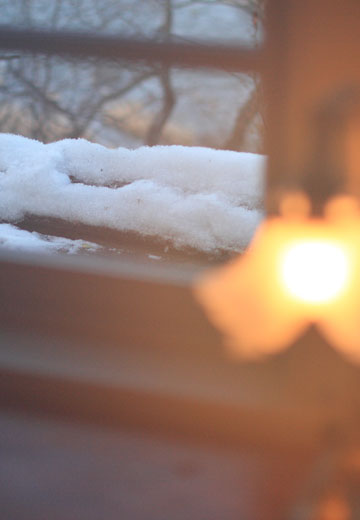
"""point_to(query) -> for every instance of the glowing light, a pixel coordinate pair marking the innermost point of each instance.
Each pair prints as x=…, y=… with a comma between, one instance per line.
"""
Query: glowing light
x=315, y=271
x=299, y=270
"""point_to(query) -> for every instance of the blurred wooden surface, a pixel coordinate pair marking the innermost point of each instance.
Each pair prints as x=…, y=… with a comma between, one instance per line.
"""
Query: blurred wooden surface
x=52, y=469
x=312, y=57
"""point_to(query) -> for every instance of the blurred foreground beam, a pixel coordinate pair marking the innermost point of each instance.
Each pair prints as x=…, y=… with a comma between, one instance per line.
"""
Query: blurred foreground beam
x=125, y=343
x=313, y=50
x=230, y=57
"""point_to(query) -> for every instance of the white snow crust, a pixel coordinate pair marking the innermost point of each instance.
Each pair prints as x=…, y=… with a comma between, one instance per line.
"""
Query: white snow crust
x=17, y=239
x=198, y=197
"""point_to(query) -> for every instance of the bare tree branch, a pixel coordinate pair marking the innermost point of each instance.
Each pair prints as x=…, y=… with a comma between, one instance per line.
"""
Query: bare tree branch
x=111, y=97
x=244, y=117
x=71, y=99
x=168, y=102
x=168, y=97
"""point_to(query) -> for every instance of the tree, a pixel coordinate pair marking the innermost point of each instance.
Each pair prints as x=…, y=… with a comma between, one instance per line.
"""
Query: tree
x=49, y=98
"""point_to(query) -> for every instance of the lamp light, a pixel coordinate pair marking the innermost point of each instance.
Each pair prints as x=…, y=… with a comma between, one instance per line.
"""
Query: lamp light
x=303, y=266
x=298, y=270
x=315, y=270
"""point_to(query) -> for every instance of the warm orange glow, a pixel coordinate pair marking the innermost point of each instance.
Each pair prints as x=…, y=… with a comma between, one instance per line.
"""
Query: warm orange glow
x=315, y=271
x=298, y=270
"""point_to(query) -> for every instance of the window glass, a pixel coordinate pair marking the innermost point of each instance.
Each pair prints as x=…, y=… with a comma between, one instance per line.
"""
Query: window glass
x=95, y=196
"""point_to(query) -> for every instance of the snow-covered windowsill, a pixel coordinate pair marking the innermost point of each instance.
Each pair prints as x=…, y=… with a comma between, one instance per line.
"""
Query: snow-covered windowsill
x=168, y=202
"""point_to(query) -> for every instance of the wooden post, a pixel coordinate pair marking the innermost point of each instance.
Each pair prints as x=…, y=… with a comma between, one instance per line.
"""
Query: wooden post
x=313, y=53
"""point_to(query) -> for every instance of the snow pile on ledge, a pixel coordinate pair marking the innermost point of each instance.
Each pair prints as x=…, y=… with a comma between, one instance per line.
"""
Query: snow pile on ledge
x=17, y=239
x=198, y=197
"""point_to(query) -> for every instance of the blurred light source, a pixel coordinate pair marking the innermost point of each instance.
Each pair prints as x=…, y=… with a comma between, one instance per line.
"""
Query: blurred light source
x=315, y=271
x=300, y=269
x=303, y=266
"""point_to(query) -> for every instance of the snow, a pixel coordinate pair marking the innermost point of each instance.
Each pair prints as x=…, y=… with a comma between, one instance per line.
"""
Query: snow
x=17, y=239
x=198, y=197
